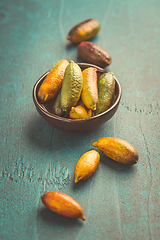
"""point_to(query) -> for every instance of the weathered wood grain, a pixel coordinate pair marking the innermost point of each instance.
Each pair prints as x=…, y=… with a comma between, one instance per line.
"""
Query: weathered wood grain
x=119, y=202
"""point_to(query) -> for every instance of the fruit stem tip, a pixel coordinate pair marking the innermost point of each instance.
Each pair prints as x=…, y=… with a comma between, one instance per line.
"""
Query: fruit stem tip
x=83, y=217
x=94, y=144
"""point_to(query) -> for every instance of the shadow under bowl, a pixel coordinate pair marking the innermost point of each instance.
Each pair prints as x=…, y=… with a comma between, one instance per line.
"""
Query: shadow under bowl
x=77, y=125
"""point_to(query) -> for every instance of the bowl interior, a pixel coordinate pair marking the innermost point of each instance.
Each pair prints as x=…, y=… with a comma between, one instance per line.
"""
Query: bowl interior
x=47, y=107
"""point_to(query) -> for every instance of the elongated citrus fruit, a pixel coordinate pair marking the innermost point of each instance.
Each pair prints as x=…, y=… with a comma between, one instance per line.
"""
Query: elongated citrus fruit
x=57, y=109
x=84, y=31
x=89, y=94
x=52, y=84
x=71, y=86
x=80, y=112
x=93, y=53
x=117, y=149
x=63, y=204
x=106, y=88
x=86, y=165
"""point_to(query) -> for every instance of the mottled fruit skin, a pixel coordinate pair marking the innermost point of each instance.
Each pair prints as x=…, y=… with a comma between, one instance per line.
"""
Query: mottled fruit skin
x=63, y=204
x=57, y=109
x=71, y=87
x=106, y=88
x=52, y=84
x=86, y=165
x=94, y=54
x=80, y=112
x=89, y=94
x=117, y=149
x=84, y=31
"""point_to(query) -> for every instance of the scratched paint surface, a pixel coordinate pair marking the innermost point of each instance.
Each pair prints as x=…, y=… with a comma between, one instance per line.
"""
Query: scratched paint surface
x=119, y=202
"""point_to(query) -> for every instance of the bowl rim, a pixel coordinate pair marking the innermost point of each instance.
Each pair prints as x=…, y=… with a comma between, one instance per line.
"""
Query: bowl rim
x=53, y=116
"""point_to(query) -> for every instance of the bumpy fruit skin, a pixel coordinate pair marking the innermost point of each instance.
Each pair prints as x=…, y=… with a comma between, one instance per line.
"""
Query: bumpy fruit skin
x=94, y=54
x=52, y=84
x=89, y=94
x=106, y=88
x=63, y=204
x=117, y=149
x=84, y=31
x=86, y=165
x=71, y=86
x=80, y=112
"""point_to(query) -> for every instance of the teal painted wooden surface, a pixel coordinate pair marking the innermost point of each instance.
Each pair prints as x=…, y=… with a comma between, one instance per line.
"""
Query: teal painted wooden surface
x=119, y=202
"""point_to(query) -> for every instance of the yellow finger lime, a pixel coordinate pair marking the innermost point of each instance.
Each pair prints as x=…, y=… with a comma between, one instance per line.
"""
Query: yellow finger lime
x=90, y=90
x=52, y=84
x=86, y=165
x=80, y=112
